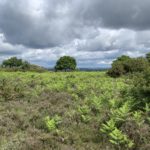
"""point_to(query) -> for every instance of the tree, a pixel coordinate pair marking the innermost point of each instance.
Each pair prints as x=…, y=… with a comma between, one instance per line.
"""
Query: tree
x=148, y=57
x=66, y=63
x=14, y=62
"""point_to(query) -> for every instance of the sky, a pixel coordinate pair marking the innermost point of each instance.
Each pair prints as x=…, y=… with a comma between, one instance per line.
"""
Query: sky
x=95, y=32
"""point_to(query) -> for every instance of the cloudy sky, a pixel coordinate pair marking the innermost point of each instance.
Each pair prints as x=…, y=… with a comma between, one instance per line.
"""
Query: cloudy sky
x=95, y=32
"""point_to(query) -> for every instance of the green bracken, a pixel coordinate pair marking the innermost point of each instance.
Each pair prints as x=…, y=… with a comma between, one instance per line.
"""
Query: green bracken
x=73, y=110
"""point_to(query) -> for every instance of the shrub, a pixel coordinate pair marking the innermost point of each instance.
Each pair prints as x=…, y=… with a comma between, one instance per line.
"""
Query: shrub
x=148, y=57
x=141, y=88
x=124, y=65
x=136, y=65
x=117, y=70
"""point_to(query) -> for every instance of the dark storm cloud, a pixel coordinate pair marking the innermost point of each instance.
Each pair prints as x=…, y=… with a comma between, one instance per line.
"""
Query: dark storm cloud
x=133, y=14
x=57, y=22
x=40, y=30
x=9, y=52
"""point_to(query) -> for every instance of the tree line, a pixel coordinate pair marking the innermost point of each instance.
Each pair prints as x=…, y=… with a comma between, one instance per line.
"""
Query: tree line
x=15, y=64
x=65, y=63
x=121, y=66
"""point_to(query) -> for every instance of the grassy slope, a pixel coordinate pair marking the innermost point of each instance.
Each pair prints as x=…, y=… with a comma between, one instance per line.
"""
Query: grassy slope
x=83, y=100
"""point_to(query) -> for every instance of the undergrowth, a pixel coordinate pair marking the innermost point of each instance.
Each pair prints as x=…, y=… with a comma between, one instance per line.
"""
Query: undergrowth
x=74, y=110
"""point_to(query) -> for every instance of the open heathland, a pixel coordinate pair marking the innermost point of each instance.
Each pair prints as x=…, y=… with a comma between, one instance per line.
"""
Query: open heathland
x=71, y=111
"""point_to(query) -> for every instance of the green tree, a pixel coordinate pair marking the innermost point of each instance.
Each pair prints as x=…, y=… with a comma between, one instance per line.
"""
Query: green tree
x=14, y=62
x=66, y=63
x=148, y=57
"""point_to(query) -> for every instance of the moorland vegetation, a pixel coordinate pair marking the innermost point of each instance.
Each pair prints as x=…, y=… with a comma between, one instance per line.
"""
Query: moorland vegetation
x=75, y=110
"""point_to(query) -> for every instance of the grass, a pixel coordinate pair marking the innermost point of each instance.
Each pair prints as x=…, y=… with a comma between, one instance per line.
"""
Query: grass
x=68, y=111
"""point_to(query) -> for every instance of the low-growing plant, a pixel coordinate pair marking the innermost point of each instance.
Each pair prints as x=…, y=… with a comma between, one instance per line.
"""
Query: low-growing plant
x=116, y=137
x=85, y=118
x=108, y=127
x=95, y=104
x=52, y=123
x=10, y=90
x=137, y=117
x=119, y=139
x=86, y=100
x=120, y=114
x=84, y=112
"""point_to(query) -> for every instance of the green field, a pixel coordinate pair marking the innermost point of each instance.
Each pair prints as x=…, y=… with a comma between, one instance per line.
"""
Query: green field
x=69, y=111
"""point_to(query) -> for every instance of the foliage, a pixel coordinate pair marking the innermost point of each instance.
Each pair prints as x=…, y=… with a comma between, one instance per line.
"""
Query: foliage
x=117, y=70
x=108, y=127
x=118, y=66
x=10, y=90
x=116, y=137
x=124, y=65
x=136, y=65
x=15, y=62
x=66, y=63
x=95, y=104
x=86, y=101
x=51, y=124
x=120, y=114
x=84, y=113
x=137, y=116
x=148, y=57
x=141, y=88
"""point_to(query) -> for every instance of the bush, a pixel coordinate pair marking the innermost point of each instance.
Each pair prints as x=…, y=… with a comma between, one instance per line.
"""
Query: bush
x=136, y=65
x=124, y=65
x=141, y=88
x=148, y=57
x=117, y=70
